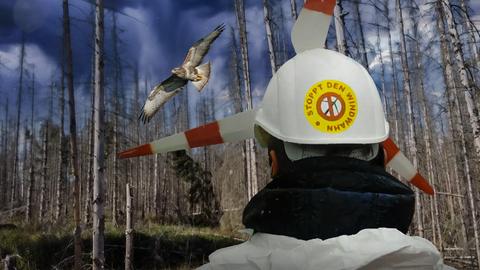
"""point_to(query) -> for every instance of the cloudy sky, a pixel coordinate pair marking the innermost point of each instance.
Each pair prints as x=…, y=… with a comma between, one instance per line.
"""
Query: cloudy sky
x=155, y=35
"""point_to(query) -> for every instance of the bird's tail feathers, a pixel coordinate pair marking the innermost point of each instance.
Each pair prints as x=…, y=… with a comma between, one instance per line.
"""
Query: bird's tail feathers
x=204, y=73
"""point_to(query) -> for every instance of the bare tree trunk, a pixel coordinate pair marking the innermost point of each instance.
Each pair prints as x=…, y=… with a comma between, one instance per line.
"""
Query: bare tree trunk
x=412, y=143
x=15, y=178
x=73, y=137
x=62, y=162
x=363, y=49
x=155, y=183
x=4, y=194
x=395, y=113
x=43, y=183
x=24, y=167
x=89, y=184
x=116, y=111
x=268, y=29
x=129, y=230
x=250, y=158
x=98, y=164
x=31, y=183
x=454, y=117
x=340, y=28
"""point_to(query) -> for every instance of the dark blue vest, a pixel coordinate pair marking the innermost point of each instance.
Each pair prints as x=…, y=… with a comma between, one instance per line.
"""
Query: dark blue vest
x=328, y=197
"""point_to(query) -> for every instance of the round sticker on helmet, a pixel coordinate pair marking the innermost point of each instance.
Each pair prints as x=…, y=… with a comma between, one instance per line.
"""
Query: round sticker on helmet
x=331, y=106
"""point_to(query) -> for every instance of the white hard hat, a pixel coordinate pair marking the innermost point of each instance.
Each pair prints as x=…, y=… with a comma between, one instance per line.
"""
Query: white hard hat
x=323, y=97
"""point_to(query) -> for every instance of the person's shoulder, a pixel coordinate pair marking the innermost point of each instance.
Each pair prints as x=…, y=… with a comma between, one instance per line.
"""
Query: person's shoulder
x=381, y=248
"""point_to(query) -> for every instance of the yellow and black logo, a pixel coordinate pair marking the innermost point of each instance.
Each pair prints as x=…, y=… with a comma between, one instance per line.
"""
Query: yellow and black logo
x=331, y=106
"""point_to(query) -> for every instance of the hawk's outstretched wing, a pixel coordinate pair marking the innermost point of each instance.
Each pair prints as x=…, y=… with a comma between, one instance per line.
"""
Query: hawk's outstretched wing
x=200, y=48
x=160, y=94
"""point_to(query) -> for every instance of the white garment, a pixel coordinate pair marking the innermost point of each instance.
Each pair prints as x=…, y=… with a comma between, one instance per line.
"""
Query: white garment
x=369, y=249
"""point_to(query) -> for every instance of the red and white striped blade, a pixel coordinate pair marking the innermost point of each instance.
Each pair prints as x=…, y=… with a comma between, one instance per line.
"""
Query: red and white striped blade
x=311, y=28
x=231, y=129
x=398, y=162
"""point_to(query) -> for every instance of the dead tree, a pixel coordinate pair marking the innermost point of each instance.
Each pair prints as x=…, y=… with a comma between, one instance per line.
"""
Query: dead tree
x=31, y=183
x=455, y=120
x=395, y=112
x=73, y=137
x=116, y=111
x=6, y=132
x=15, y=178
x=363, y=49
x=340, y=28
x=62, y=161
x=89, y=185
x=43, y=183
x=250, y=158
x=267, y=17
x=412, y=142
x=129, y=229
x=98, y=255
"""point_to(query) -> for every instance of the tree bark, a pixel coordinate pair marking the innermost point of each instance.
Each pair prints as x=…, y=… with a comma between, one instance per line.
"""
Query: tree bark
x=15, y=178
x=250, y=157
x=4, y=194
x=62, y=162
x=98, y=163
x=340, y=28
x=268, y=29
x=116, y=111
x=89, y=185
x=363, y=49
x=43, y=183
x=129, y=229
x=31, y=183
x=73, y=137
x=395, y=113
x=454, y=117
x=412, y=143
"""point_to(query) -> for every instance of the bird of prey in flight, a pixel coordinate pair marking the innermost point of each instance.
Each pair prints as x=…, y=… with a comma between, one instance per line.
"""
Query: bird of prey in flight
x=191, y=70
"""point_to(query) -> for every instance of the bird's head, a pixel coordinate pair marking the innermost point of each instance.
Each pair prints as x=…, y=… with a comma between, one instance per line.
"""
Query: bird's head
x=179, y=72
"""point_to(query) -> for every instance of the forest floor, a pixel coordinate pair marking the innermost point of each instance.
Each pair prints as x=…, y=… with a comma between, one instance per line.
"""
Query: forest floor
x=155, y=246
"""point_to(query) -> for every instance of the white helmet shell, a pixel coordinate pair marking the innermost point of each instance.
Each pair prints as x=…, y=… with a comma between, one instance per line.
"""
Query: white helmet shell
x=323, y=97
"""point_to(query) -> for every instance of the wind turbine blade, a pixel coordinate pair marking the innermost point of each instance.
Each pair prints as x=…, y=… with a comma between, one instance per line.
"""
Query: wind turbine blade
x=231, y=129
x=398, y=162
x=311, y=28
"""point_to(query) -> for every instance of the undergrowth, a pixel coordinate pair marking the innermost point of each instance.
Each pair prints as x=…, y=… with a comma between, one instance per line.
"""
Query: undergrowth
x=155, y=247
